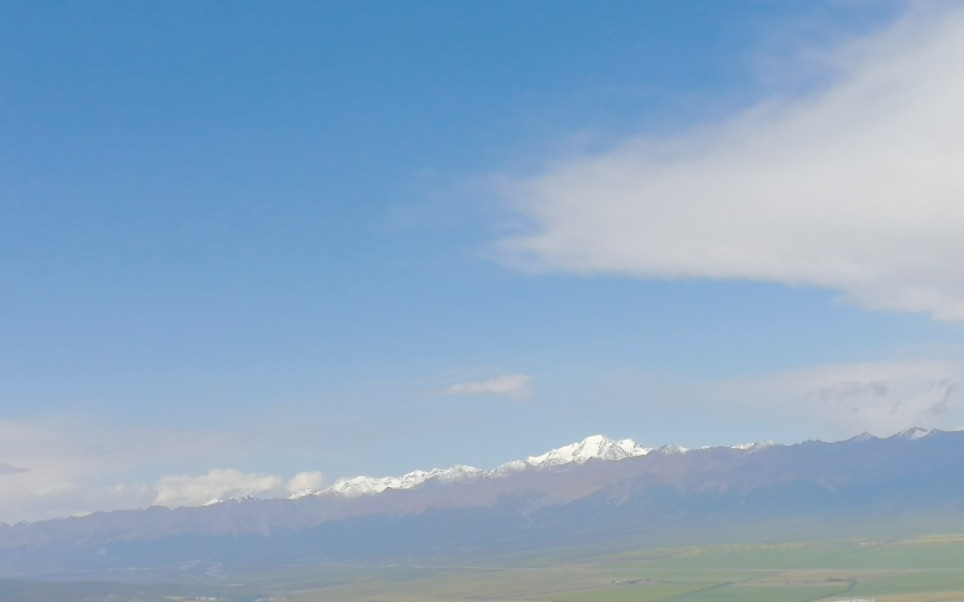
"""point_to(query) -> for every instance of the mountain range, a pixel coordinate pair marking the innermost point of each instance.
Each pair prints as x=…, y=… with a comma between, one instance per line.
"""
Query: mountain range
x=595, y=447
x=598, y=490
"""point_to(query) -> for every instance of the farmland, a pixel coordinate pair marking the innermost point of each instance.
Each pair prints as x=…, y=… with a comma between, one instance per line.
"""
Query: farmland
x=919, y=569
x=913, y=569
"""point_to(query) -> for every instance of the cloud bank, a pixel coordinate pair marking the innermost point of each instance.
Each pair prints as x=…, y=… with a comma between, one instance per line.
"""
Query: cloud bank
x=858, y=187
x=66, y=466
x=841, y=400
x=216, y=484
x=227, y=483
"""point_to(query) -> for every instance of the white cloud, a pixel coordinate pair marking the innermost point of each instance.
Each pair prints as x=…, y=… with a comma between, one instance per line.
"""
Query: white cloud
x=54, y=467
x=513, y=386
x=71, y=463
x=305, y=481
x=841, y=400
x=219, y=483
x=858, y=187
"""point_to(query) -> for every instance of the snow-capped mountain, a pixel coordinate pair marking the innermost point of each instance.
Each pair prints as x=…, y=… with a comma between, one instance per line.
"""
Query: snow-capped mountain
x=594, y=447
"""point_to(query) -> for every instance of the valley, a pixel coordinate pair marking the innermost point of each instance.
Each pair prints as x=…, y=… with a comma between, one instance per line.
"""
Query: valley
x=916, y=569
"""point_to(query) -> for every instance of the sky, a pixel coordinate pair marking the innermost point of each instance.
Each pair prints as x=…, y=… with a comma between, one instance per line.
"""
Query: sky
x=252, y=247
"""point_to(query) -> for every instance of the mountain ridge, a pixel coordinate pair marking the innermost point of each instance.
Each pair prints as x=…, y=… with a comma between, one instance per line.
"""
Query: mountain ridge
x=593, y=447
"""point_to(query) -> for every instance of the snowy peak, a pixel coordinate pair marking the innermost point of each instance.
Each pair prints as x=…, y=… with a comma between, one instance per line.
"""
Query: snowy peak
x=864, y=436
x=672, y=448
x=755, y=446
x=595, y=447
x=913, y=433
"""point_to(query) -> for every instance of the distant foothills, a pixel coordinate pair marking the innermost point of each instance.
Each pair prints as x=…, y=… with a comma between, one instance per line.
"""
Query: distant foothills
x=614, y=492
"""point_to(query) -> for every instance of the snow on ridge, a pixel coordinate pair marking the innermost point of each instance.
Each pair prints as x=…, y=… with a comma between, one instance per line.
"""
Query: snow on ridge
x=914, y=433
x=231, y=500
x=595, y=447
x=362, y=485
x=302, y=493
x=506, y=469
x=754, y=446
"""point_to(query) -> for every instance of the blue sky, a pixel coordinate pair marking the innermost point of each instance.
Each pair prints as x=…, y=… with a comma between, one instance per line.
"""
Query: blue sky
x=241, y=242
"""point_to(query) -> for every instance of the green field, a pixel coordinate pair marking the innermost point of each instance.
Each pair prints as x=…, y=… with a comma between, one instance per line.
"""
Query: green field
x=921, y=569
x=924, y=569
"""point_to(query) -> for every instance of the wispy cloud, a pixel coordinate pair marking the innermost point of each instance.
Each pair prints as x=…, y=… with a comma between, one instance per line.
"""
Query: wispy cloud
x=513, y=386
x=856, y=187
x=844, y=399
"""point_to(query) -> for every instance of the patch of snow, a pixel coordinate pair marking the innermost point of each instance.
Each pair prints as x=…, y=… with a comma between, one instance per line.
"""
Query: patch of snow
x=755, y=446
x=357, y=486
x=506, y=469
x=914, y=433
x=596, y=447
